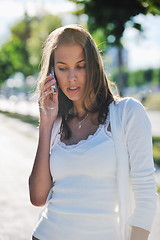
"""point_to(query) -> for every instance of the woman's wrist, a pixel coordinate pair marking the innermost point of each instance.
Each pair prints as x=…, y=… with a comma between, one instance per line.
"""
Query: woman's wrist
x=45, y=126
x=46, y=122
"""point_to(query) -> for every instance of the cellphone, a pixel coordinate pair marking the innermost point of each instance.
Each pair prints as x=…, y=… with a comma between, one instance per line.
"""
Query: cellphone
x=54, y=87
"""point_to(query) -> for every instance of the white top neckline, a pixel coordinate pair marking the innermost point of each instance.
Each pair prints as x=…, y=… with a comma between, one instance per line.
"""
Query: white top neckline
x=90, y=137
x=62, y=144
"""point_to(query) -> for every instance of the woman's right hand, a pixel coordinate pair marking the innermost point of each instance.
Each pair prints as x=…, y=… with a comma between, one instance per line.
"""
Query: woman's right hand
x=48, y=102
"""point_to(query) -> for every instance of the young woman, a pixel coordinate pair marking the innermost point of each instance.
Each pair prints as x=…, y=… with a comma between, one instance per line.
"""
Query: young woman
x=94, y=150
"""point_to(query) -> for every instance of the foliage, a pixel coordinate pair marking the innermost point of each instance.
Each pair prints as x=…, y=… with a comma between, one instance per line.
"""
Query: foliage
x=111, y=16
x=40, y=28
x=14, y=58
x=153, y=6
x=139, y=77
x=156, y=150
x=22, y=52
x=99, y=37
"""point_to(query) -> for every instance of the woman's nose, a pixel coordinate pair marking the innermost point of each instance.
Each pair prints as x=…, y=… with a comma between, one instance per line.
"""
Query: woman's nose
x=72, y=75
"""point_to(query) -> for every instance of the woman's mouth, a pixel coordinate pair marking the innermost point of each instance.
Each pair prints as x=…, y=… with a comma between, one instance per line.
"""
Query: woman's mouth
x=73, y=89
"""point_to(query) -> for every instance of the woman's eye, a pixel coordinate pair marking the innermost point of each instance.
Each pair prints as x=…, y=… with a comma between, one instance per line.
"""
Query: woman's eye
x=62, y=69
x=81, y=66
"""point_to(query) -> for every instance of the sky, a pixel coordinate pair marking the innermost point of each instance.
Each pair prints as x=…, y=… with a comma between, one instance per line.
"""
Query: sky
x=143, y=50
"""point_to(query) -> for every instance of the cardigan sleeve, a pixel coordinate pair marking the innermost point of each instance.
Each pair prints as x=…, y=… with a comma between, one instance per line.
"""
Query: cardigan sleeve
x=139, y=146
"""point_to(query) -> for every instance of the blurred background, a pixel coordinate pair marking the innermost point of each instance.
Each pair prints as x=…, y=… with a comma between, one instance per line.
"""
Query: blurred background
x=127, y=34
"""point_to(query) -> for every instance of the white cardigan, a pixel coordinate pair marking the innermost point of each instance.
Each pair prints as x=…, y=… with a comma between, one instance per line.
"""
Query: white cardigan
x=131, y=130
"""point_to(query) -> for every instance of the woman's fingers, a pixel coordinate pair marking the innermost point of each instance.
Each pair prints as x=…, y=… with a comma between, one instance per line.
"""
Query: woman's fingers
x=49, y=91
x=48, y=85
x=55, y=97
x=49, y=97
x=49, y=78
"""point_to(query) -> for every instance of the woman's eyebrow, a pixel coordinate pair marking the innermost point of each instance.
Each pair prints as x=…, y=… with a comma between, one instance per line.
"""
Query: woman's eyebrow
x=83, y=60
x=59, y=62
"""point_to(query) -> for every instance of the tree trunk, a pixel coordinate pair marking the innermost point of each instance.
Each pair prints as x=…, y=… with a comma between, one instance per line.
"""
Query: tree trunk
x=120, y=71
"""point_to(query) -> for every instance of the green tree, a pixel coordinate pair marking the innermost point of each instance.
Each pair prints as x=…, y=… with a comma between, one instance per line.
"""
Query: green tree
x=111, y=17
x=156, y=76
x=140, y=77
x=13, y=54
x=136, y=78
x=40, y=27
x=22, y=52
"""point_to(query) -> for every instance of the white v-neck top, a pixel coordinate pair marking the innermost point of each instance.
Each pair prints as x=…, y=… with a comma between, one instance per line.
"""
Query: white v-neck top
x=83, y=200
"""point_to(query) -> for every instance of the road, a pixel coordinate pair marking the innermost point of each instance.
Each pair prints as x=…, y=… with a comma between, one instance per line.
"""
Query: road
x=17, y=147
x=18, y=142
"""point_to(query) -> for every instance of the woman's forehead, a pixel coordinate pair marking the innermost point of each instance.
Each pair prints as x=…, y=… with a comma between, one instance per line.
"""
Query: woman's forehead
x=69, y=52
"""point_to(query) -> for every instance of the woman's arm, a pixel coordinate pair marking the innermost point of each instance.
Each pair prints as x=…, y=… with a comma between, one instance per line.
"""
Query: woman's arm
x=139, y=233
x=40, y=180
x=139, y=145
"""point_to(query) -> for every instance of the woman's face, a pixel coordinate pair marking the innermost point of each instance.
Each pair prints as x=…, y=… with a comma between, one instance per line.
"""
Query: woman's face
x=70, y=70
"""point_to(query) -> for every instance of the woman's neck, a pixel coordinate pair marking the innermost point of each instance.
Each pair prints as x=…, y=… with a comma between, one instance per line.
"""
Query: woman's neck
x=78, y=110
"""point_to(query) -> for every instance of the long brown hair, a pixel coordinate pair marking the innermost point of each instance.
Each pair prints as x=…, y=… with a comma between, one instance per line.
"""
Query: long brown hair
x=96, y=84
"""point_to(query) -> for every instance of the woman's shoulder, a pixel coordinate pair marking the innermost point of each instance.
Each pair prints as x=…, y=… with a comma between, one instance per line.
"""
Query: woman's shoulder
x=128, y=104
x=127, y=101
x=128, y=109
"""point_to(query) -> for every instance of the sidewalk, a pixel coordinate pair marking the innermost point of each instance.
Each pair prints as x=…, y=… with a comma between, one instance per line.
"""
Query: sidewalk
x=18, y=142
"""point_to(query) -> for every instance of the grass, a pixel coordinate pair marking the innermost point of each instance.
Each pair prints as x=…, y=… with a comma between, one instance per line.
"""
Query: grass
x=158, y=189
x=152, y=102
x=156, y=150
x=24, y=118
